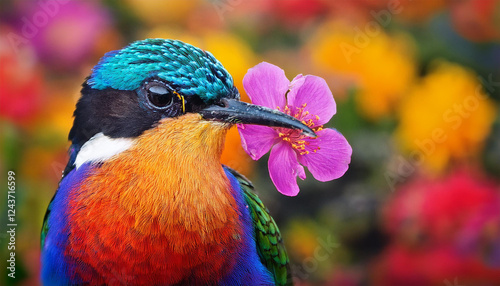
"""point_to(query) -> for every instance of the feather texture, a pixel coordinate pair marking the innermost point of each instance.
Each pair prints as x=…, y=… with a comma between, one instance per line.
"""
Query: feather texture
x=159, y=213
x=270, y=246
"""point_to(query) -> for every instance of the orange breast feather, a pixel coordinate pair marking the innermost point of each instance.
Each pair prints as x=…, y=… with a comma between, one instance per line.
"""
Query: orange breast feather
x=158, y=210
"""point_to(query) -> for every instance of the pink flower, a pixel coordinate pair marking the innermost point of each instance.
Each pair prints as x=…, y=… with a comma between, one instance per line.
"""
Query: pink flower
x=308, y=99
x=71, y=34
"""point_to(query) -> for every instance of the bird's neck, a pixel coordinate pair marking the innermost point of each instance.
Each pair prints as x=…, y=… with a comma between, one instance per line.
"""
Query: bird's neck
x=173, y=173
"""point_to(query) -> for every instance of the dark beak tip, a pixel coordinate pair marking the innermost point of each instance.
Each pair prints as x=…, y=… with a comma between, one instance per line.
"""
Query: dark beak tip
x=309, y=133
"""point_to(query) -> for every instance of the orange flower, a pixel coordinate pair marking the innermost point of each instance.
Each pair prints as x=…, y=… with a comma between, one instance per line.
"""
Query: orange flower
x=420, y=10
x=446, y=116
x=380, y=67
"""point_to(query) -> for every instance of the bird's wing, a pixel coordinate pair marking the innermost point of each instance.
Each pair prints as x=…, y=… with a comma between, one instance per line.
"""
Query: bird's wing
x=270, y=246
x=73, y=151
x=69, y=167
x=45, y=225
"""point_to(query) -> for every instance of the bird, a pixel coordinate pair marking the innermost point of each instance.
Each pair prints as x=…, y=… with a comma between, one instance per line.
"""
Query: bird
x=144, y=198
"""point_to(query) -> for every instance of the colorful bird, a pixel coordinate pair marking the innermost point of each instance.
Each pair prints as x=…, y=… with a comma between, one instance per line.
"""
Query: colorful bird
x=144, y=199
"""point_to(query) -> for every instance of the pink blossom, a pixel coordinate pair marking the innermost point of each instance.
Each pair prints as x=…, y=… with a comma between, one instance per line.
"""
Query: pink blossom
x=308, y=99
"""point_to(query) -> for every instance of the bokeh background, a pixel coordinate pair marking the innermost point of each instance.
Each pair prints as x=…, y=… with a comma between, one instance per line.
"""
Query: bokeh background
x=417, y=84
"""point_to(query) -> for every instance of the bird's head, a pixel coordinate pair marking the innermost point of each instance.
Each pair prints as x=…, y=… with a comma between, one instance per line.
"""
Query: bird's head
x=154, y=82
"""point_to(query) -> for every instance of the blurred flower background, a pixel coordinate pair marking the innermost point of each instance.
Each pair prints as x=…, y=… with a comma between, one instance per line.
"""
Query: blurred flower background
x=417, y=85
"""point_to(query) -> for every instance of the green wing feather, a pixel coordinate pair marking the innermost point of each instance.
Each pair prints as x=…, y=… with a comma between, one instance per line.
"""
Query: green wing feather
x=270, y=246
x=45, y=225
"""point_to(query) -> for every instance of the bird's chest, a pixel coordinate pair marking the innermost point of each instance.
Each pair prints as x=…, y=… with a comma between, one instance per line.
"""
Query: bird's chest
x=134, y=231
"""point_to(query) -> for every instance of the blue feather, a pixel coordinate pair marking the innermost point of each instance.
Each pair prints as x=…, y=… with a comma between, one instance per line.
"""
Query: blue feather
x=190, y=69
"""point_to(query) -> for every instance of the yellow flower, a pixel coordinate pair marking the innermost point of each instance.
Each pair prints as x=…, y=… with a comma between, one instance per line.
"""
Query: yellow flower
x=447, y=116
x=155, y=12
x=302, y=237
x=380, y=67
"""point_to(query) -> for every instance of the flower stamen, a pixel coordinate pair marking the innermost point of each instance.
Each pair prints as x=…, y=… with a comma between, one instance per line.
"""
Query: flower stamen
x=294, y=137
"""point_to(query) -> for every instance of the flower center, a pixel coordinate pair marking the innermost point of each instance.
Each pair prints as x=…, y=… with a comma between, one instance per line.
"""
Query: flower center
x=294, y=137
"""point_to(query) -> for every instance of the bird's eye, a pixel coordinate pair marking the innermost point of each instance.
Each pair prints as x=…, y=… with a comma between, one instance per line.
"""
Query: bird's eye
x=159, y=95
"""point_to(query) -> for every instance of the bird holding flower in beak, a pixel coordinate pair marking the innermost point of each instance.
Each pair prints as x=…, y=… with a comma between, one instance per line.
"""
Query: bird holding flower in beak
x=144, y=199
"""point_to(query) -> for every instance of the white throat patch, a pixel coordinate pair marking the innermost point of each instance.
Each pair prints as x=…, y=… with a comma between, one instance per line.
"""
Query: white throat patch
x=100, y=148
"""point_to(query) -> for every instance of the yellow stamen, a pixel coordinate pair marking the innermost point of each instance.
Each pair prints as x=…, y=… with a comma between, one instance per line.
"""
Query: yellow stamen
x=294, y=137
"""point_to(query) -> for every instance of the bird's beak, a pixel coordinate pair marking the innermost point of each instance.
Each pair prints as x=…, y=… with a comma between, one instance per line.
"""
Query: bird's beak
x=234, y=111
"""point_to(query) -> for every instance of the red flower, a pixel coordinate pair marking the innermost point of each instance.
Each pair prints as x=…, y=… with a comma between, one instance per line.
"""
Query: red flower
x=21, y=85
x=476, y=20
x=442, y=230
x=438, y=209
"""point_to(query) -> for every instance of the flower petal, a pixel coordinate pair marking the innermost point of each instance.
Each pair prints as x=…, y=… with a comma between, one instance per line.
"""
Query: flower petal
x=284, y=169
x=266, y=85
x=256, y=140
x=297, y=82
x=332, y=160
x=314, y=92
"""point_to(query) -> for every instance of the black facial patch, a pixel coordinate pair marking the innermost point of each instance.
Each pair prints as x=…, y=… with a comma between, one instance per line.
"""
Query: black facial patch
x=127, y=113
x=115, y=113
